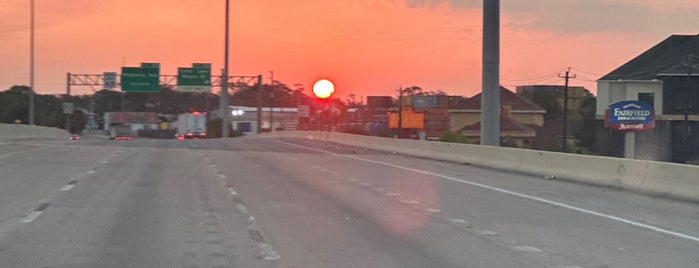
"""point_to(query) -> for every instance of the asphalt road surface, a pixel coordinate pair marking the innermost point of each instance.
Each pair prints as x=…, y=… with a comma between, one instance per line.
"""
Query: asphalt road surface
x=253, y=202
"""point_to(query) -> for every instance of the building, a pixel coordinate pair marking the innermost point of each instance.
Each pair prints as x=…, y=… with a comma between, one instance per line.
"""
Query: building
x=667, y=77
x=244, y=118
x=519, y=122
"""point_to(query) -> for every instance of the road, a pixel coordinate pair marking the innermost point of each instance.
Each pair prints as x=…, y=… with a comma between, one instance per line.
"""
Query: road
x=255, y=202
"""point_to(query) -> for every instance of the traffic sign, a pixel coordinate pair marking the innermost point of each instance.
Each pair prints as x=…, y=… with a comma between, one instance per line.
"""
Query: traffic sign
x=141, y=79
x=68, y=108
x=110, y=80
x=195, y=79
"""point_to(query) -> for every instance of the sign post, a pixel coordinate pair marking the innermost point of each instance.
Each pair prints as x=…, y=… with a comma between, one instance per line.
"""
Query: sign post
x=630, y=116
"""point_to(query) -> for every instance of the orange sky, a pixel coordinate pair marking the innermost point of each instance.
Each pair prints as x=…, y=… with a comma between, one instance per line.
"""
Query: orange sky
x=366, y=47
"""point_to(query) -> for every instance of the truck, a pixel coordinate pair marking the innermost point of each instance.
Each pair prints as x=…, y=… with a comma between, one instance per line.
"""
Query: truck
x=191, y=125
x=120, y=132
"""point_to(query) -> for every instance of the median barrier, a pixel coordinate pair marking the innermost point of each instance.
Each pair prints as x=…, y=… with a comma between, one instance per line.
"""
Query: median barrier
x=29, y=132
x=658, y=178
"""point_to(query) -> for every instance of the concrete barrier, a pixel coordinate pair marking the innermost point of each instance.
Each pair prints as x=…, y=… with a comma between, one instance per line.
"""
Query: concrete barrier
x=659, y=178
x=27, y=132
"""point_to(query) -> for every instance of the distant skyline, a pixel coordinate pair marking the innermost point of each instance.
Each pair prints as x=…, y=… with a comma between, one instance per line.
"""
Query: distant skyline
x=366, y=47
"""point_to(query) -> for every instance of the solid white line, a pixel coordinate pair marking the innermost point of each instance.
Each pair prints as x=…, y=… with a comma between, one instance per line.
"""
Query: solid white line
x=32, y=216
x=525, y=196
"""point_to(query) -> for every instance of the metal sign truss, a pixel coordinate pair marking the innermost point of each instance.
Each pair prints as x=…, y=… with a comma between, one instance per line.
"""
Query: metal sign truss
x=96, y=81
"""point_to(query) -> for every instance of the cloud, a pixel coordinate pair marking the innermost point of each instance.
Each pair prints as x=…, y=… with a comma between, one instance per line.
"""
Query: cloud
x=587, y=16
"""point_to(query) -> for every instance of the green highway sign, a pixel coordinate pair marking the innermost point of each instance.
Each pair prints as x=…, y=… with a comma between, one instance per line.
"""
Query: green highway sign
x=195, y=79
x=141, y=79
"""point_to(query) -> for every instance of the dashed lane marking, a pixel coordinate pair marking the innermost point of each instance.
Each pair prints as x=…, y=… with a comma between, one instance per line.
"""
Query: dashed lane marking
x=529, y=249
x=32, y=216
x=36, y=212
x=67, y=187
x=508, y=192
x=232, y=191
x=458, y=221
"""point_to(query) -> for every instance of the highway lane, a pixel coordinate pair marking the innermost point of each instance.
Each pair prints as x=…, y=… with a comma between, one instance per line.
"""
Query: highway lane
x=251, y=202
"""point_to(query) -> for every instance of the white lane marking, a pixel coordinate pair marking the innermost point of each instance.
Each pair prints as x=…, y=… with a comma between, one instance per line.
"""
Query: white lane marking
x=104, y=161
x=32, y=216
x=392, y=194
x=528, y=249
x=542, y=200
x=241, y=208
x=232, y=191
x=365, y=184
x=67, y=187
x=410, y=202
x=459, y=221
x=222, y=176
x=91, y=171
x=489, y=233
x=433, y=210
x=379, y=189
x=268, y=253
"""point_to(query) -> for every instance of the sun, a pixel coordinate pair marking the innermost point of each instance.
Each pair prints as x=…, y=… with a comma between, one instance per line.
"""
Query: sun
x=323, y=88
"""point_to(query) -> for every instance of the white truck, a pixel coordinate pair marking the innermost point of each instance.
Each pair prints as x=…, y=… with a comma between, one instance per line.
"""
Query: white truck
x=191, y=125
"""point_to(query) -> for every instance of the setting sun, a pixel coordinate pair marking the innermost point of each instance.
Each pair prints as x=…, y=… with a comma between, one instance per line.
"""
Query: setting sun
x=323, y=88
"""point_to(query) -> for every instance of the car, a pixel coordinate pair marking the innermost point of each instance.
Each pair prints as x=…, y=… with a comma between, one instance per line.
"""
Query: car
x=74, y=137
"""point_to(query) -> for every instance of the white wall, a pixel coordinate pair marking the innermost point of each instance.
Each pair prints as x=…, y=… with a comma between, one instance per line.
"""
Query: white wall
x=609, y=92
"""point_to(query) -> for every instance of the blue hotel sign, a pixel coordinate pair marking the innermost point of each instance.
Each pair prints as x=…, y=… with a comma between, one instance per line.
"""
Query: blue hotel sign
x=630, y=116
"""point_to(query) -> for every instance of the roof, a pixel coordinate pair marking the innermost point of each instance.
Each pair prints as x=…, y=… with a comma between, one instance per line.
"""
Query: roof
x=507, y=97
x=666, y=58
x=506, y=125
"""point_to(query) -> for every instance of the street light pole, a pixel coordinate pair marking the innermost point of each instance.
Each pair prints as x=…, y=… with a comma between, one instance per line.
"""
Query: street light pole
x=271, y=103
x=31, y=63
x=490, y=96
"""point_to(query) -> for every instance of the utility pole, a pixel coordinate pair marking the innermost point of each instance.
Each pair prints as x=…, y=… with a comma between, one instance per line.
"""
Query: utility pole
x=400, y=111
x=224, y=82
x=31, y=64
x=564, y=147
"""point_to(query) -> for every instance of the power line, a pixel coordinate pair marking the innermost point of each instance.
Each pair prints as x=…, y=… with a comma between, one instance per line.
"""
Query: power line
x=536, y=78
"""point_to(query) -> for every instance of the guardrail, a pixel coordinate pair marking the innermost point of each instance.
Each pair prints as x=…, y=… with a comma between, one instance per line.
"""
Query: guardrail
x=658, y=178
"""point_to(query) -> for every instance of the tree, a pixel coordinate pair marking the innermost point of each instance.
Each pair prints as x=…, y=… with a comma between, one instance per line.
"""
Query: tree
x=584, y=131
x=547, y=100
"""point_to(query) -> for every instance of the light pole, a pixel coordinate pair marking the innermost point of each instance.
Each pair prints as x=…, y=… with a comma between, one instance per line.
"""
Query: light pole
x=271, y=102
x=490, y=96
x=224, y=82
x=31, y=63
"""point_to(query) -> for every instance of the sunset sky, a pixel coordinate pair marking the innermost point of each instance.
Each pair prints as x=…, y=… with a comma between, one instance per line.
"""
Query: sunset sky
x=366, y=47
